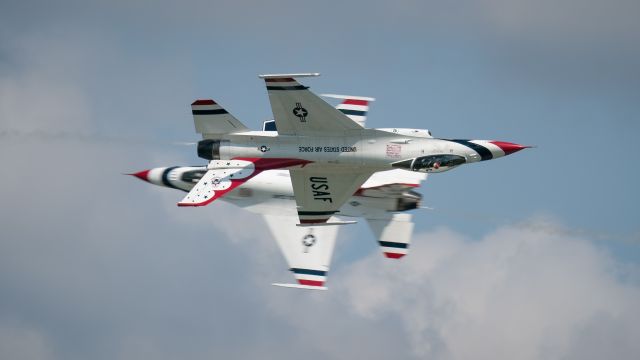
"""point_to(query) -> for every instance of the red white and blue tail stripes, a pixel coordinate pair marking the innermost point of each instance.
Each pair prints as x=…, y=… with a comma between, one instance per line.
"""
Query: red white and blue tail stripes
x=394, y=250
x=310, y=277
x=206, y=107
x=283, y=84
x=315, y=217
x=211, y=118
x=355, y=107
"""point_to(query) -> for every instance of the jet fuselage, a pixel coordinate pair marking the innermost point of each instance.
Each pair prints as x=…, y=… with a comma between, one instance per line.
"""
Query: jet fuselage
x=370, y=149
x=271, y=191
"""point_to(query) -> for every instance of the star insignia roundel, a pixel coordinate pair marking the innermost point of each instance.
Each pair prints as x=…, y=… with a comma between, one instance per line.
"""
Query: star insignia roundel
x=300, y=112
x=309, y=240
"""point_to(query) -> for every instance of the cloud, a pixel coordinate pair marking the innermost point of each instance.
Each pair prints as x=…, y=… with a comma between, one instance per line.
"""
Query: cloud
x=23, y=343
x=89, y=254
x=513, y=294
x=576, y=19
x=36, y=91
x=97, y=265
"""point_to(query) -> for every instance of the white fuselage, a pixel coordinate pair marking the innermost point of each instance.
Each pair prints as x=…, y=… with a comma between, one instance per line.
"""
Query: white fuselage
x=270, y=192
x=371, y=149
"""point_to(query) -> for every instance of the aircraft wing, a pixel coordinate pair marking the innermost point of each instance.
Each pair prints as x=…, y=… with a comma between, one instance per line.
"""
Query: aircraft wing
x=222, y=176
x=393, y=232
x=298, y=111
x=307, y=250
x=320, y=193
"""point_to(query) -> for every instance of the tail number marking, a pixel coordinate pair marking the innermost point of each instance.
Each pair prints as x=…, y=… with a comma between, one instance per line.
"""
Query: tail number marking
x=320, y=188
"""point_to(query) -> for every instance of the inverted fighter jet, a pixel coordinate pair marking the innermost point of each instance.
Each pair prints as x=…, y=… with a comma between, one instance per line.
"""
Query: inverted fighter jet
x=384, y=200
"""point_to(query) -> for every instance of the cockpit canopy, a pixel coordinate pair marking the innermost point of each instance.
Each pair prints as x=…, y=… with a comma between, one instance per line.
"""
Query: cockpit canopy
x=431, y=163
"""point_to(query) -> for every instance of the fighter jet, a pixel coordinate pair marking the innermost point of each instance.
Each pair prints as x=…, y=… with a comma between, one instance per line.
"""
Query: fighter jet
x=329, y=156
x=383, y=200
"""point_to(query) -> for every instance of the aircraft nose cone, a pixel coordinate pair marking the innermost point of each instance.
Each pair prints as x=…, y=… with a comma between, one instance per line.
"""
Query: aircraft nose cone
x=509, y=148
x=142, y=175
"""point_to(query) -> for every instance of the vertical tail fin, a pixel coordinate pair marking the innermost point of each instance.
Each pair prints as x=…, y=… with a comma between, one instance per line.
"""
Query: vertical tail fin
x=307, y=250
x=393, y=233
x=355, y=107
x=211, y=118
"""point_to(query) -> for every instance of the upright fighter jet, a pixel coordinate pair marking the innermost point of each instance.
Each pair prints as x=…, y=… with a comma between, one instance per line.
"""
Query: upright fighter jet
x=328, y=154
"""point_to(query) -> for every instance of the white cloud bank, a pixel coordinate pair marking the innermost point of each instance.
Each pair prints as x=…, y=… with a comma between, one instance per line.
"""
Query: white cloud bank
x=515, y=294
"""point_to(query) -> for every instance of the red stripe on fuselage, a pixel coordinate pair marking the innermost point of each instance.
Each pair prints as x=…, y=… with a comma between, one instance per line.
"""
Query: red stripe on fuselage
x=263, y=164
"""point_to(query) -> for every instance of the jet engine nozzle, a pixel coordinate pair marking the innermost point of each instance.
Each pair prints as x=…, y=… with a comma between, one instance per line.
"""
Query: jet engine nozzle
x=209, y=149
x=431, y=163
x=408, y=201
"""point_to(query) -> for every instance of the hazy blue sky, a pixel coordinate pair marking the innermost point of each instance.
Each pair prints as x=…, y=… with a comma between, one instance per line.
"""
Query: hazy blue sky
x=532, y=256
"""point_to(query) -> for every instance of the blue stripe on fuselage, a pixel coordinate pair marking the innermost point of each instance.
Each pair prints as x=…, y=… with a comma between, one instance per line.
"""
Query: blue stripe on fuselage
x=485, y=154
x=165, y=178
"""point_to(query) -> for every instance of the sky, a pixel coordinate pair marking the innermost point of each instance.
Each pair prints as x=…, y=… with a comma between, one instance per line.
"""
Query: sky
x=531, y=256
